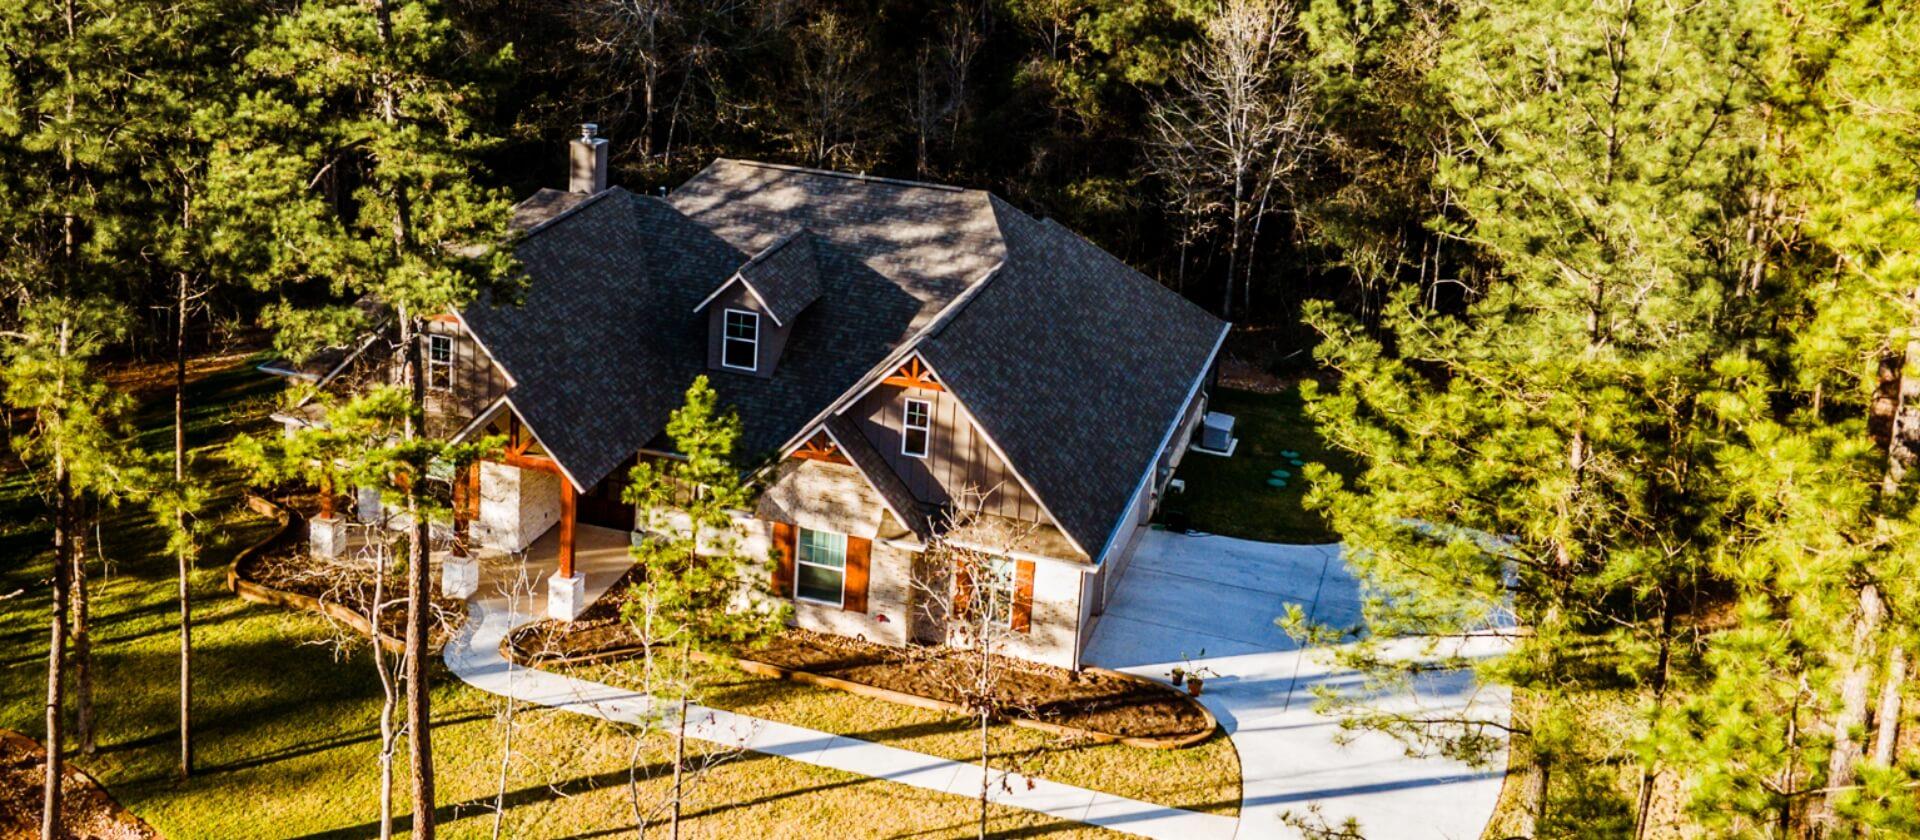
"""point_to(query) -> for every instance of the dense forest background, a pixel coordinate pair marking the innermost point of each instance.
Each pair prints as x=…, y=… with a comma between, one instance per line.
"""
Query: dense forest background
x=1069, y=108
x=1611, y=309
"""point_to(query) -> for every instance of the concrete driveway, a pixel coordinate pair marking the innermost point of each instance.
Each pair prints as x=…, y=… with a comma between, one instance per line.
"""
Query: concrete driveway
x=1184, y=594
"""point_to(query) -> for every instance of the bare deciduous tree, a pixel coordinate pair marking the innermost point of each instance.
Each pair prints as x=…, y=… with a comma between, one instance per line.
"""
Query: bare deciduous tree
x=1236, y=129
x=970, y=587
x=832, y=112
x=944, y=64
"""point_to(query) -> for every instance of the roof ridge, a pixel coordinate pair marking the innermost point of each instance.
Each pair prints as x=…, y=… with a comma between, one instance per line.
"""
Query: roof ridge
x=766, y=252
x=569, y=212
x=850, y=176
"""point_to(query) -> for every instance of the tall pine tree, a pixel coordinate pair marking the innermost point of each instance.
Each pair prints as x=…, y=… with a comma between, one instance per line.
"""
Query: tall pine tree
x=1547, y=452
x=367, y=135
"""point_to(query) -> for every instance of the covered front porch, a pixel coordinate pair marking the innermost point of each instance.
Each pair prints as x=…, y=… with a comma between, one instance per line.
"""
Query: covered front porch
x=519, y=511
x=523, y=580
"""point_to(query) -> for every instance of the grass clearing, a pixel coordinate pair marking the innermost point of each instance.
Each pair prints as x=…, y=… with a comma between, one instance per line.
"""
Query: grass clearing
x=286, y=724
x=1231, y=496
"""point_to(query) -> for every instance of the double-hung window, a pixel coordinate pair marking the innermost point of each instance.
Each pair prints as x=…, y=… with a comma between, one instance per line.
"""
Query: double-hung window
x=916, y=428
x=995, y=585
x=440, y=361
x=821, y=567
x=740, y=341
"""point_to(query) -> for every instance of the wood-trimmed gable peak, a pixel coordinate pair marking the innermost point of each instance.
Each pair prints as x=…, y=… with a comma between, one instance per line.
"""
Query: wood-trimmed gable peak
x=915, y=374
x=821, y=447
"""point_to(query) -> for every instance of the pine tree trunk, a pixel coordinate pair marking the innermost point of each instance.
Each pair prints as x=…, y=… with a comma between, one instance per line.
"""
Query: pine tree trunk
x=387, y=699
x=50, y=828
x=419, y=584
x=1855, y=687
x=82, y=634
x=1888, y=714
x=680, y=731
x=180, y=524
x=1647, y=774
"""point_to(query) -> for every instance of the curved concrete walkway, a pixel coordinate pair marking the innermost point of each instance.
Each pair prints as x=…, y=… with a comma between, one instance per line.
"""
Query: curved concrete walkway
x=1186, y=593
x=474, y=656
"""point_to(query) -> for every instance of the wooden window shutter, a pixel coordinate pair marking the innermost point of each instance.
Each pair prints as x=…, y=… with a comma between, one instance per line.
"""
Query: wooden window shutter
x=1023, y=597
x=783, y=551
x=859, y=554
x=962, y=588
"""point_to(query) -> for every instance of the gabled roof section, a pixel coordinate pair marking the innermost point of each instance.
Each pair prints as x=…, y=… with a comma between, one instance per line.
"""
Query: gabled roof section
x=785, y=277
x=1075, y=366
x=582, y=378
x=885, y=482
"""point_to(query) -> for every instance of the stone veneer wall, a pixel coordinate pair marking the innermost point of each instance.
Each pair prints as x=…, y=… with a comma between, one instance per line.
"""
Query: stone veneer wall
x=889, y=590
x=516, y=506
x=1051, y=638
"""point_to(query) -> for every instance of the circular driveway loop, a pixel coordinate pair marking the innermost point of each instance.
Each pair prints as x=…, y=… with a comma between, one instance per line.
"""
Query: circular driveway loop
x=1185, y=593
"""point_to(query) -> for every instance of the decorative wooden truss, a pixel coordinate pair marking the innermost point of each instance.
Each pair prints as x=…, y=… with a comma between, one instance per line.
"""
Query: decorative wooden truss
x=915, y=374
x=821, y=447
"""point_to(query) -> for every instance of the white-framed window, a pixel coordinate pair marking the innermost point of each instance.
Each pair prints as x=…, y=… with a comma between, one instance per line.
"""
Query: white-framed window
x=440, y=361
x=995, y=582
x=820, y=567
x=740, y=339
x=916, y=428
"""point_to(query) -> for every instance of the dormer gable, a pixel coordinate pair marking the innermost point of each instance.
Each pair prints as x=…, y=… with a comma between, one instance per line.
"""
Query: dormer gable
x=751, y=313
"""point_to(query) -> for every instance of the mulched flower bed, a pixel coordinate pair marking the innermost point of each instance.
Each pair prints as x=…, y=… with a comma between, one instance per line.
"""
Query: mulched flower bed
x=86, y=809
x=1094, y=701
x=284, y=566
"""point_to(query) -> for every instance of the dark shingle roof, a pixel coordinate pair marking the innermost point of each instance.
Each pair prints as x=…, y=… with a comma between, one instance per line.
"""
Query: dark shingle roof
x=604, y=347
x=543, y=205
x=785, y=276
x=1073, y=363
x=1076, y=365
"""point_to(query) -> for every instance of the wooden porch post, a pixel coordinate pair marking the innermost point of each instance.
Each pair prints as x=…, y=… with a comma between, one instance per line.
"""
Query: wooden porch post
x=326, y=497
x=465, y=498
x=566, y=527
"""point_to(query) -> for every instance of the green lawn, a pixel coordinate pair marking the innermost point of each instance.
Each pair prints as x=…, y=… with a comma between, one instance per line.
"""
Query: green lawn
x=1204, y=777
x=287, y=728
x=1231, y=496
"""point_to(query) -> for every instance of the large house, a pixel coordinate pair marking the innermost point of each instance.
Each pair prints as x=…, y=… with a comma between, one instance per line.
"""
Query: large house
x=894, y=350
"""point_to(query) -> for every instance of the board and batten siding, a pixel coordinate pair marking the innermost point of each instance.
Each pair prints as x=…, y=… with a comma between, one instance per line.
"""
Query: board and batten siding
x=958, y=455
x=475, y=384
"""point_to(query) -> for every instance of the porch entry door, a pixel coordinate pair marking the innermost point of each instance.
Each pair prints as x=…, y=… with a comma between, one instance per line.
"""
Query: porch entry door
x=603, y=506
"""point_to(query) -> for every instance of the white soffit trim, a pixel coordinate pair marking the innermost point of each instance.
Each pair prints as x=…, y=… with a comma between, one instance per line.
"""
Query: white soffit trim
x=736, y=278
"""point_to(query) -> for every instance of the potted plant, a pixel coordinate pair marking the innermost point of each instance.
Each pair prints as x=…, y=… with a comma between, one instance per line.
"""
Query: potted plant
x=1196, y=677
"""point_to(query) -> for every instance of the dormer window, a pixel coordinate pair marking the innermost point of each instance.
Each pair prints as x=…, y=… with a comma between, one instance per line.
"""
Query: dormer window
x=740, y=346
x=440, y=362
x=916, y=428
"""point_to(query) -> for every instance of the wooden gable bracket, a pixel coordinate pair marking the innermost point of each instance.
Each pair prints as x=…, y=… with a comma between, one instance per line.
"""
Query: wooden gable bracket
x=915, y=374
x=821, y=447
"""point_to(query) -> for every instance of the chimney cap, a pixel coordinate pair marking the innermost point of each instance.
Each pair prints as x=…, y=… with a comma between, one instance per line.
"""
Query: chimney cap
x=588, y=130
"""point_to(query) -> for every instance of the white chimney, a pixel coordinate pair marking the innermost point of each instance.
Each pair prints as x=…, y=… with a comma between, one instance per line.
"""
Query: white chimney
x=587, y=162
